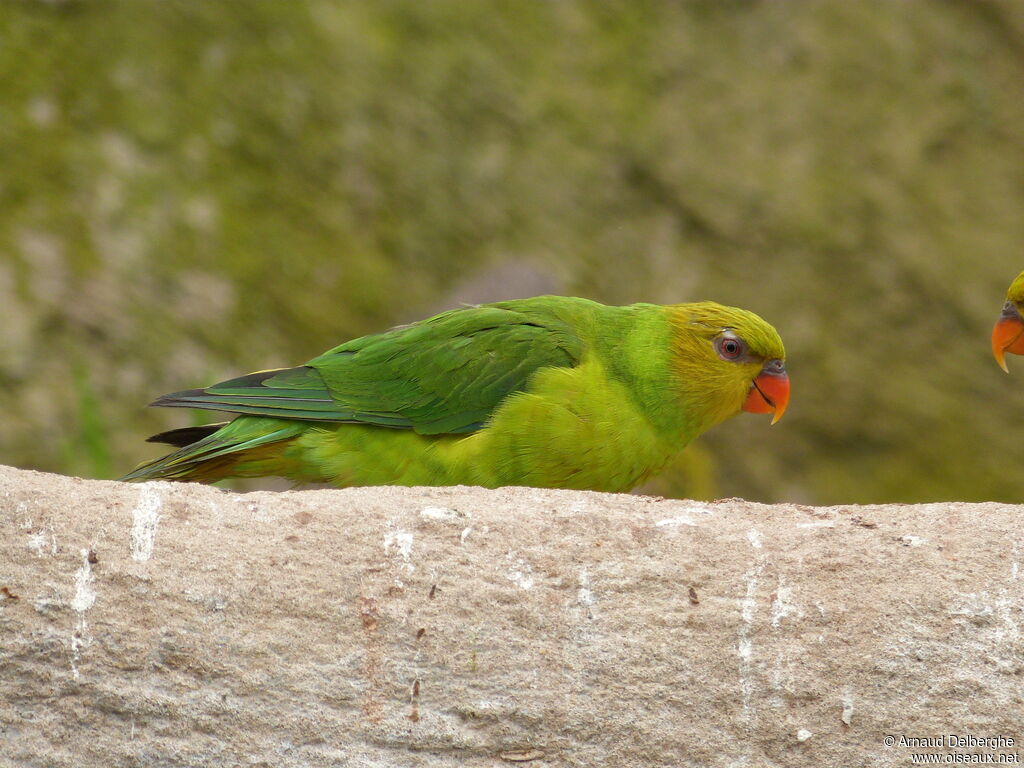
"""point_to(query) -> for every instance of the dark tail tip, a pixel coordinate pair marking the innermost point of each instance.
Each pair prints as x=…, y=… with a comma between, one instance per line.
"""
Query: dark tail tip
x=186, y=435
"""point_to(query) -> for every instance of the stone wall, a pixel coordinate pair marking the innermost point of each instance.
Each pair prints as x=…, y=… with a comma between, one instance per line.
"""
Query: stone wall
x=180, y=625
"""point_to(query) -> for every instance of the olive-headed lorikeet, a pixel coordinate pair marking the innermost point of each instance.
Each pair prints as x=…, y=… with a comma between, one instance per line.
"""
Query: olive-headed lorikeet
x=1008, y=334
x=552, y=391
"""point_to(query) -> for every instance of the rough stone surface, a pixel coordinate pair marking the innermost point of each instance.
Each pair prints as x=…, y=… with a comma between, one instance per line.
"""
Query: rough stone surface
x=179, y=625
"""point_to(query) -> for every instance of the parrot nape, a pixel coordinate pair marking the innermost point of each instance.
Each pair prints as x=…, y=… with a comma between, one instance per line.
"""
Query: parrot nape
x=552, y=391
x=1008, y=334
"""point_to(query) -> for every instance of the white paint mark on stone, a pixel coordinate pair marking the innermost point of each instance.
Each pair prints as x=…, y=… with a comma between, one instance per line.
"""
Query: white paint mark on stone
x=442, y=513
x=803, y=735
x=847, y=716
x=519, y=572
x=674, y=522
x=77, y=643
x=781, y=604
x=818, y=524
x=686, y=516
x=745, y=650
x=41, y=541
x=85, y=595
x=748, y=611
x=1006, y=608
x=401, y=543
x=84, y=598
x=398, y=545
x=145, y=518
x=584, y=596
x=909, y=540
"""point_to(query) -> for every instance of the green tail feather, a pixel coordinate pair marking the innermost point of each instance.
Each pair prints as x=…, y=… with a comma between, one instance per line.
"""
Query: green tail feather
x=199, y=459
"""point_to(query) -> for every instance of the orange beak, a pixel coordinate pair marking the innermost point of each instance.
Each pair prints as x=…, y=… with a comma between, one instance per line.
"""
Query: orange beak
x=1008, y=335
x=769, y=392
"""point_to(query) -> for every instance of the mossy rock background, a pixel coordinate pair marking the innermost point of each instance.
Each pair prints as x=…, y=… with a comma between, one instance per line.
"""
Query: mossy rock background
x=194, y=190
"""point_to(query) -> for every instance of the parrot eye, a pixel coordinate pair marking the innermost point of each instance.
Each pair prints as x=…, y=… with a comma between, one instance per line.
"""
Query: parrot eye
x=730, y=347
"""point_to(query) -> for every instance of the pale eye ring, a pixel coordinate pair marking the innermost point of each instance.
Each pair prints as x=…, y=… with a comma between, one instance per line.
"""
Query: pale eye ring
x=729, y=347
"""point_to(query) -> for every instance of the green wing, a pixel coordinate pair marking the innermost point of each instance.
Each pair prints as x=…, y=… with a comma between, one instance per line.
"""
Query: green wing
x=443, y=375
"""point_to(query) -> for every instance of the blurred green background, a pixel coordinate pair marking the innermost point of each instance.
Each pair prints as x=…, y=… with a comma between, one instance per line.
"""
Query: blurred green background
x=193, y=190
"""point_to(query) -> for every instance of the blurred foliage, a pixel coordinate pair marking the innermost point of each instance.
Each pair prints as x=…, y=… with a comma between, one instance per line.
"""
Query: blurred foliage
x=194, y=190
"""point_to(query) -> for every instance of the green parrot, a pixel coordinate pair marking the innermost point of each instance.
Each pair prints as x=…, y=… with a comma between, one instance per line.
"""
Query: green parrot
x=1008, y=334
x=552, y=392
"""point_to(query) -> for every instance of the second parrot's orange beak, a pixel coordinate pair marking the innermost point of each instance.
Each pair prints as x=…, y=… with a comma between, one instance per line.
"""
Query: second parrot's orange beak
x=1008, y=335
x=769, y=392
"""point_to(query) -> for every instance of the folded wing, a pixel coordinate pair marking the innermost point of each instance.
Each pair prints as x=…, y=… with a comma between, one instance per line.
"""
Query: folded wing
x=444, y=375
